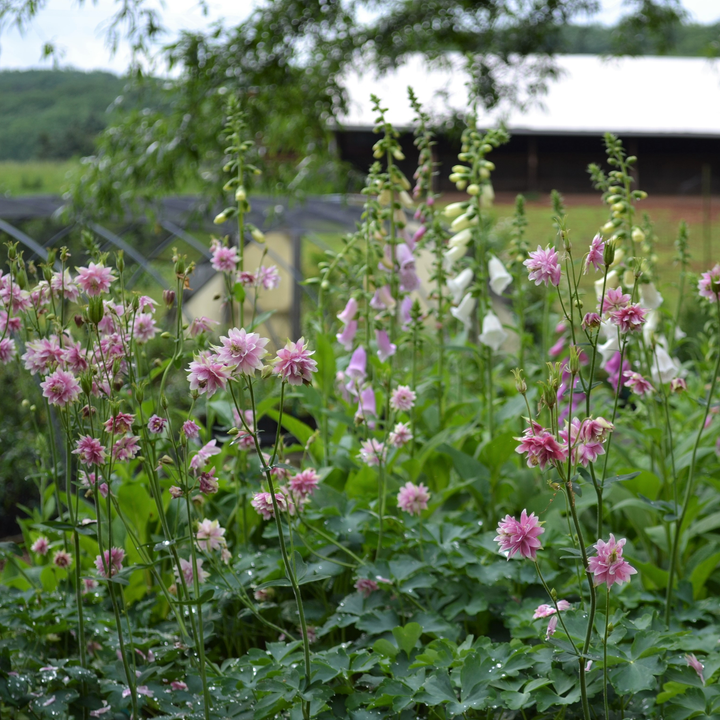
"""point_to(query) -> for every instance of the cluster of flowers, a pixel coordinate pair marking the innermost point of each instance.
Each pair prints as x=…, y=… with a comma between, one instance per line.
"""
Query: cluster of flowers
x=226, y=259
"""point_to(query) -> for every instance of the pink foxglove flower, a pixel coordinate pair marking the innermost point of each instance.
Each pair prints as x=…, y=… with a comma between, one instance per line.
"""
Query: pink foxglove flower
x=544, y=266
x=638, y=383
x=696, y=665
x=595, y=254
x=41, y=546
x=358, y=364
x=90, y=450
x=187, y=570
x=61, y=388
x=401, y=435
x=156, y=424
x=224, y=259
x=382, y=299
x=95, y=279
x=372, y=452
x=119, y=424
x=207, y=374
x=409, y=280
x=709, y=284
x=609, y=566
x=294, y=364
x=403, y=398
x=62, y=559
x=413, y=499
x=541, y=447
x=385, y=349
x=520, y=536
x=366, y=587
x=243, y=351
x=366, y=405
x=262, y=502
x=305, y=483
x=210, y=536
x=144, y=328
x=349, y=312
x=110, y=563
x=405, y=307
x=629, y=319
x=347, y=337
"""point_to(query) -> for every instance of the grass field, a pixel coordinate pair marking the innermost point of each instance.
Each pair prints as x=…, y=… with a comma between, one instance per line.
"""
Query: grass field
x=36, y=177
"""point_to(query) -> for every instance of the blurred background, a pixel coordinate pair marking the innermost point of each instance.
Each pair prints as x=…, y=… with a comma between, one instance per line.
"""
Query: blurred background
x=111, y=114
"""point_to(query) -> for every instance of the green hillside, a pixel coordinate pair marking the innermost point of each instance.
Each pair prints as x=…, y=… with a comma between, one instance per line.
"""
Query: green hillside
x=51, y=114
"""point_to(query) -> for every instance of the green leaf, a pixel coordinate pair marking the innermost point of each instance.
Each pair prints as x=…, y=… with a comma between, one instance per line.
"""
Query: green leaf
x=702, y=572
x=239, y=292
x=297, y=427
x=260, y=319
x=205, y=597
x=407, y=637
x=325, y=358
x=385, y=648
x=637, y=675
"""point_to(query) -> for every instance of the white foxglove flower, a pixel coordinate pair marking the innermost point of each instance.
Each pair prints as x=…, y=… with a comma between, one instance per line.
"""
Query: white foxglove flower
x=679, y=333
x=462, y=222
x=487, y=196
x=460, y=239
x=493, y=334
x=458, y=284
x=451, y=255
x=652, y=321
x=454, y=209
x=500, y=278
x=608, y=349
x=664, y=368
x=612, y=281
x=464, y=310
x=650, y=298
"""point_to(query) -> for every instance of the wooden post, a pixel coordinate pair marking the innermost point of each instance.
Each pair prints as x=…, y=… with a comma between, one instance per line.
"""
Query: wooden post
x=297, y=273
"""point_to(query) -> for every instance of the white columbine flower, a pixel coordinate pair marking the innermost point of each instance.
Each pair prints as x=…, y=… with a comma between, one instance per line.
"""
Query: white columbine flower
x=464, y=310
x=458, y=284
x=493, y=334
x=500, y=278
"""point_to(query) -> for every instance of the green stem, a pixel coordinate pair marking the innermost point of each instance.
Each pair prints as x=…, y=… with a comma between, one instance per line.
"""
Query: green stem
x=605, y=642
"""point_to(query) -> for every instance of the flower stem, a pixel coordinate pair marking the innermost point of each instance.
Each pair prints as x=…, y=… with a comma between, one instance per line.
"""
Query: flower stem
x=605, y=641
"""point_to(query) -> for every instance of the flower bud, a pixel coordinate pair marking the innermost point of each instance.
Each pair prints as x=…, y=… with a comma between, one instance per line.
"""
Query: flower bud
x=385, y=197
x=484, y=173
x=169, y=298
x=574, y=362
x=591, y=321
x=628, y=278
x=607, y=228
x=12, y=251
x=473, y=189
x=461, y=185
x=79, y=320
x=398, y=154
x=86, y=382
x=96, y=310
x=638, y=235
x=454, y=209
x=220, y=218
x=520, y=384
x=180, y=266
x=608, y=254
x=120, y=261
x=240, y=194
x=257, y=235
x=47, y=272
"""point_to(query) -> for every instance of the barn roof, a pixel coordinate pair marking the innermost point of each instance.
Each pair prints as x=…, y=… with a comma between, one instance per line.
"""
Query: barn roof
x=629, y=96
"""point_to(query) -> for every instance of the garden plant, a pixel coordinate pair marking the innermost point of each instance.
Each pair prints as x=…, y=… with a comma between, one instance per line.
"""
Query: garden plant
x=492, y=493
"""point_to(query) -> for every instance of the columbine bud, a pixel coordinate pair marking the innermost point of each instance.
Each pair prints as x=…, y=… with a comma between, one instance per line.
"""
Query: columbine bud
x=86, y=382
x=47, y=272
x=12, y=251
x=638, y=235
x=240, y=194
x=79, y=320
x=169, y=298
x=608, y=254
x=520, y=384
x=120, y=261
x=574, y=363
x=96, y=310
x=591, y=321
x=180, y=266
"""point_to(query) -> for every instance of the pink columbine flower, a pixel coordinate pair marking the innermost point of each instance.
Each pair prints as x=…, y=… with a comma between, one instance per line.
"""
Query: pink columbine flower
x=119, y=424
x=413, y=499
x=178, y=685
x=595, y=254
x=190, y=429
x=349, y=312
x=41, y=546
x=74, y=357
x=110, y=562
x=615, y=299
x=156, y=424
x=89, y=480
x=7, y=350
x=638, y=383
x=210, y=535
x=204, y=454
x=385, y=349
x=347, y=337
x=262, y=502
x=709, y=284
x=401, y=435
x=294, y=364
x=208, y=483
x=541, y=447
x=544, y=266
x=591, y=321
x=520, y=536
x=696, y=665
x=268, y=277
x=403, y=398
x=366, y=586
x=146, y=303
x=176, y=492
x=126, y=448
x=264, y=594
x=64, y=285
x=629, y=319
x=608, y=565
x=207, y=374
x=61, y=388
x=243, y=351
x=62, y=559
x=187, y=570
x=305, y=483
x=90, y=450
x=224, y=259
x=552, y=626
x=678, y=385
x=201, y=324
x=95, y=279
x=372, y=452
x=544, y=611
x=42, y=355
x=142, y=689
x=144, y=328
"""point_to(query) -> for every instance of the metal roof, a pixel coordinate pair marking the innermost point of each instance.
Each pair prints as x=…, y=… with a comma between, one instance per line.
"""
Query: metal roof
x=630, y=96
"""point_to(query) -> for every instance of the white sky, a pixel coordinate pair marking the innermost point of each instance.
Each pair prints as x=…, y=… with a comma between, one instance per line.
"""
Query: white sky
x=77, y=30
